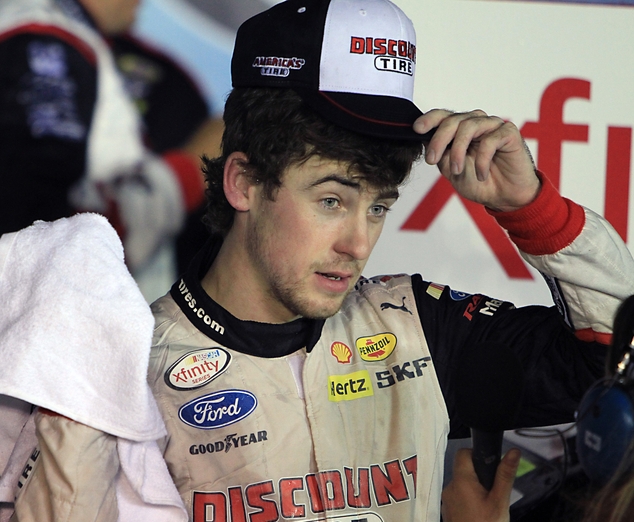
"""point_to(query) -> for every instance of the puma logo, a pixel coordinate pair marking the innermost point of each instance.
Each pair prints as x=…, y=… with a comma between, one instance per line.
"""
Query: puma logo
x=403, y=308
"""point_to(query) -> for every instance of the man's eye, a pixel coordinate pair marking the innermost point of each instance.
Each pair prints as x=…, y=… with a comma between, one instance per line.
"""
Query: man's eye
x=379, y=210
x=330, y=202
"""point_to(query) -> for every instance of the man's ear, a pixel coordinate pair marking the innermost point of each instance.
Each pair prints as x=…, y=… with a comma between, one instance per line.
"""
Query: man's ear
x=236, y=181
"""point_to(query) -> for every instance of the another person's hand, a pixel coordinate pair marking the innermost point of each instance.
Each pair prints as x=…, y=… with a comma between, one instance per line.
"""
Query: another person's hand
x=466, y=500
x=484, y=157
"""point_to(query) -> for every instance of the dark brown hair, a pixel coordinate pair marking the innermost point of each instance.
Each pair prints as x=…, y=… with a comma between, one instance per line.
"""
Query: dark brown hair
x=275, y=129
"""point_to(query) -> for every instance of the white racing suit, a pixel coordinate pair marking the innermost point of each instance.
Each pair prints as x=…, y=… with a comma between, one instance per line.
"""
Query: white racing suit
x=347, y=419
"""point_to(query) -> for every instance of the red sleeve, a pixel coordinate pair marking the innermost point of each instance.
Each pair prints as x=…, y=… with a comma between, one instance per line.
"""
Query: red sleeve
x=189, y=176
x=546, y=225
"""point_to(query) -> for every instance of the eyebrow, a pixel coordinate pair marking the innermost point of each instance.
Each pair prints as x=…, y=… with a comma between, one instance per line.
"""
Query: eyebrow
x=387, y=193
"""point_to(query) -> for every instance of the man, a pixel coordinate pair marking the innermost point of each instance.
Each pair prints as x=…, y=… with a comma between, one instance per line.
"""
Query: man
x=293, y=388
x=290, y=386
x=70, y=137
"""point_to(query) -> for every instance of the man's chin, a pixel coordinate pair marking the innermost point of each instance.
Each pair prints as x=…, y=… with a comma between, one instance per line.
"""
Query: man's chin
x=321, y=311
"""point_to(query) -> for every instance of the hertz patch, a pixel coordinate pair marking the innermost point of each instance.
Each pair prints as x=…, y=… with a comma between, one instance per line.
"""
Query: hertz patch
x=350, y=386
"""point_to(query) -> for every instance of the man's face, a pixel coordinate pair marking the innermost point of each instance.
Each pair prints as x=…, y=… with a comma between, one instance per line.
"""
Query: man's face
x=309, y=246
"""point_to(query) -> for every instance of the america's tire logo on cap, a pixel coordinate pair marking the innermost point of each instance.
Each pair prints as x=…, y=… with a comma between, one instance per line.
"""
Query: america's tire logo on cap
x=277, y=65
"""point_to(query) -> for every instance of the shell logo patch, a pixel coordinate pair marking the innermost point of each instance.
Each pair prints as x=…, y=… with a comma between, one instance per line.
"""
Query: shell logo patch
x=376, y=347
x=341, y=352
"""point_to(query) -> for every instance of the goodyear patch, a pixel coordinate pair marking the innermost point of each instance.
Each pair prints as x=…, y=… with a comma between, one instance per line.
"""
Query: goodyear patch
x=350, y=386
x=376, y=347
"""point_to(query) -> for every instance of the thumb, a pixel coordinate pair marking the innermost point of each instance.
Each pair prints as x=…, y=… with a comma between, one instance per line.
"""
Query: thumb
x=505, y=474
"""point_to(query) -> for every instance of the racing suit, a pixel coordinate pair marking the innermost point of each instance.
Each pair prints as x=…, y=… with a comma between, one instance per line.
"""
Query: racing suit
x=71, y=137
x=347, y=419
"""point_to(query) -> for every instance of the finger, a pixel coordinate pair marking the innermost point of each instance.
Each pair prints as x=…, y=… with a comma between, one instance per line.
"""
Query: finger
x=505, y=474
x=445, y=134
x=492, y=143
x=463, y=464
x=468, y=132
x=430, y=120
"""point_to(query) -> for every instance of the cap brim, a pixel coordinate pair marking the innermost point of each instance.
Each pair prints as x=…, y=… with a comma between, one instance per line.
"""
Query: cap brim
x=381, y=116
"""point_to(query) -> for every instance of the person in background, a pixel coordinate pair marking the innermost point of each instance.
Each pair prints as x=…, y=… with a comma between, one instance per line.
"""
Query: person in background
x=464, y=499
x=175, y=115
x=71, y=139
x=612, y=500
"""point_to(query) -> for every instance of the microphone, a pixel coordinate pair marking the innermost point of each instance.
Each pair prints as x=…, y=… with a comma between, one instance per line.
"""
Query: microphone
x=489, y=390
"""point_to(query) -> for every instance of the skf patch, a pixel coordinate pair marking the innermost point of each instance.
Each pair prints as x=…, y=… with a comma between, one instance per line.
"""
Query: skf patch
x=401, y=372
x=277, y=65
x=350, y=386
x=341, y=352
x=376, y=347
x=197, y=368
x=435, y=290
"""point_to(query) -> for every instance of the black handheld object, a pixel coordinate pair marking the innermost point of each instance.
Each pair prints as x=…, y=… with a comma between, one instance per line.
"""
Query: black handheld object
x=489, y=389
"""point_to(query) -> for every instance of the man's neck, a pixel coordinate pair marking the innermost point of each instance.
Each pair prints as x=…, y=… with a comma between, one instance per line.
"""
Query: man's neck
x=234, y=283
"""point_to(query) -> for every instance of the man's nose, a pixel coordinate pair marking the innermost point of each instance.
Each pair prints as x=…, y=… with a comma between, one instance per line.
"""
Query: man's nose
x=355, y=238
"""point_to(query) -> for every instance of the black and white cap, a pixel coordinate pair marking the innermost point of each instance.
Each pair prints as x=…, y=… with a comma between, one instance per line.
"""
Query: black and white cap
x=352, y=61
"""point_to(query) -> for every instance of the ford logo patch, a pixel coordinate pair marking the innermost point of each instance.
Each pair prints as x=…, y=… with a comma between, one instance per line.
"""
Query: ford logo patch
x=217, y=409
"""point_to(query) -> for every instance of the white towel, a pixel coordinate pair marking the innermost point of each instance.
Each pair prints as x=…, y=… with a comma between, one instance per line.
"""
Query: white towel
x=75, y=336
x=75, y=332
